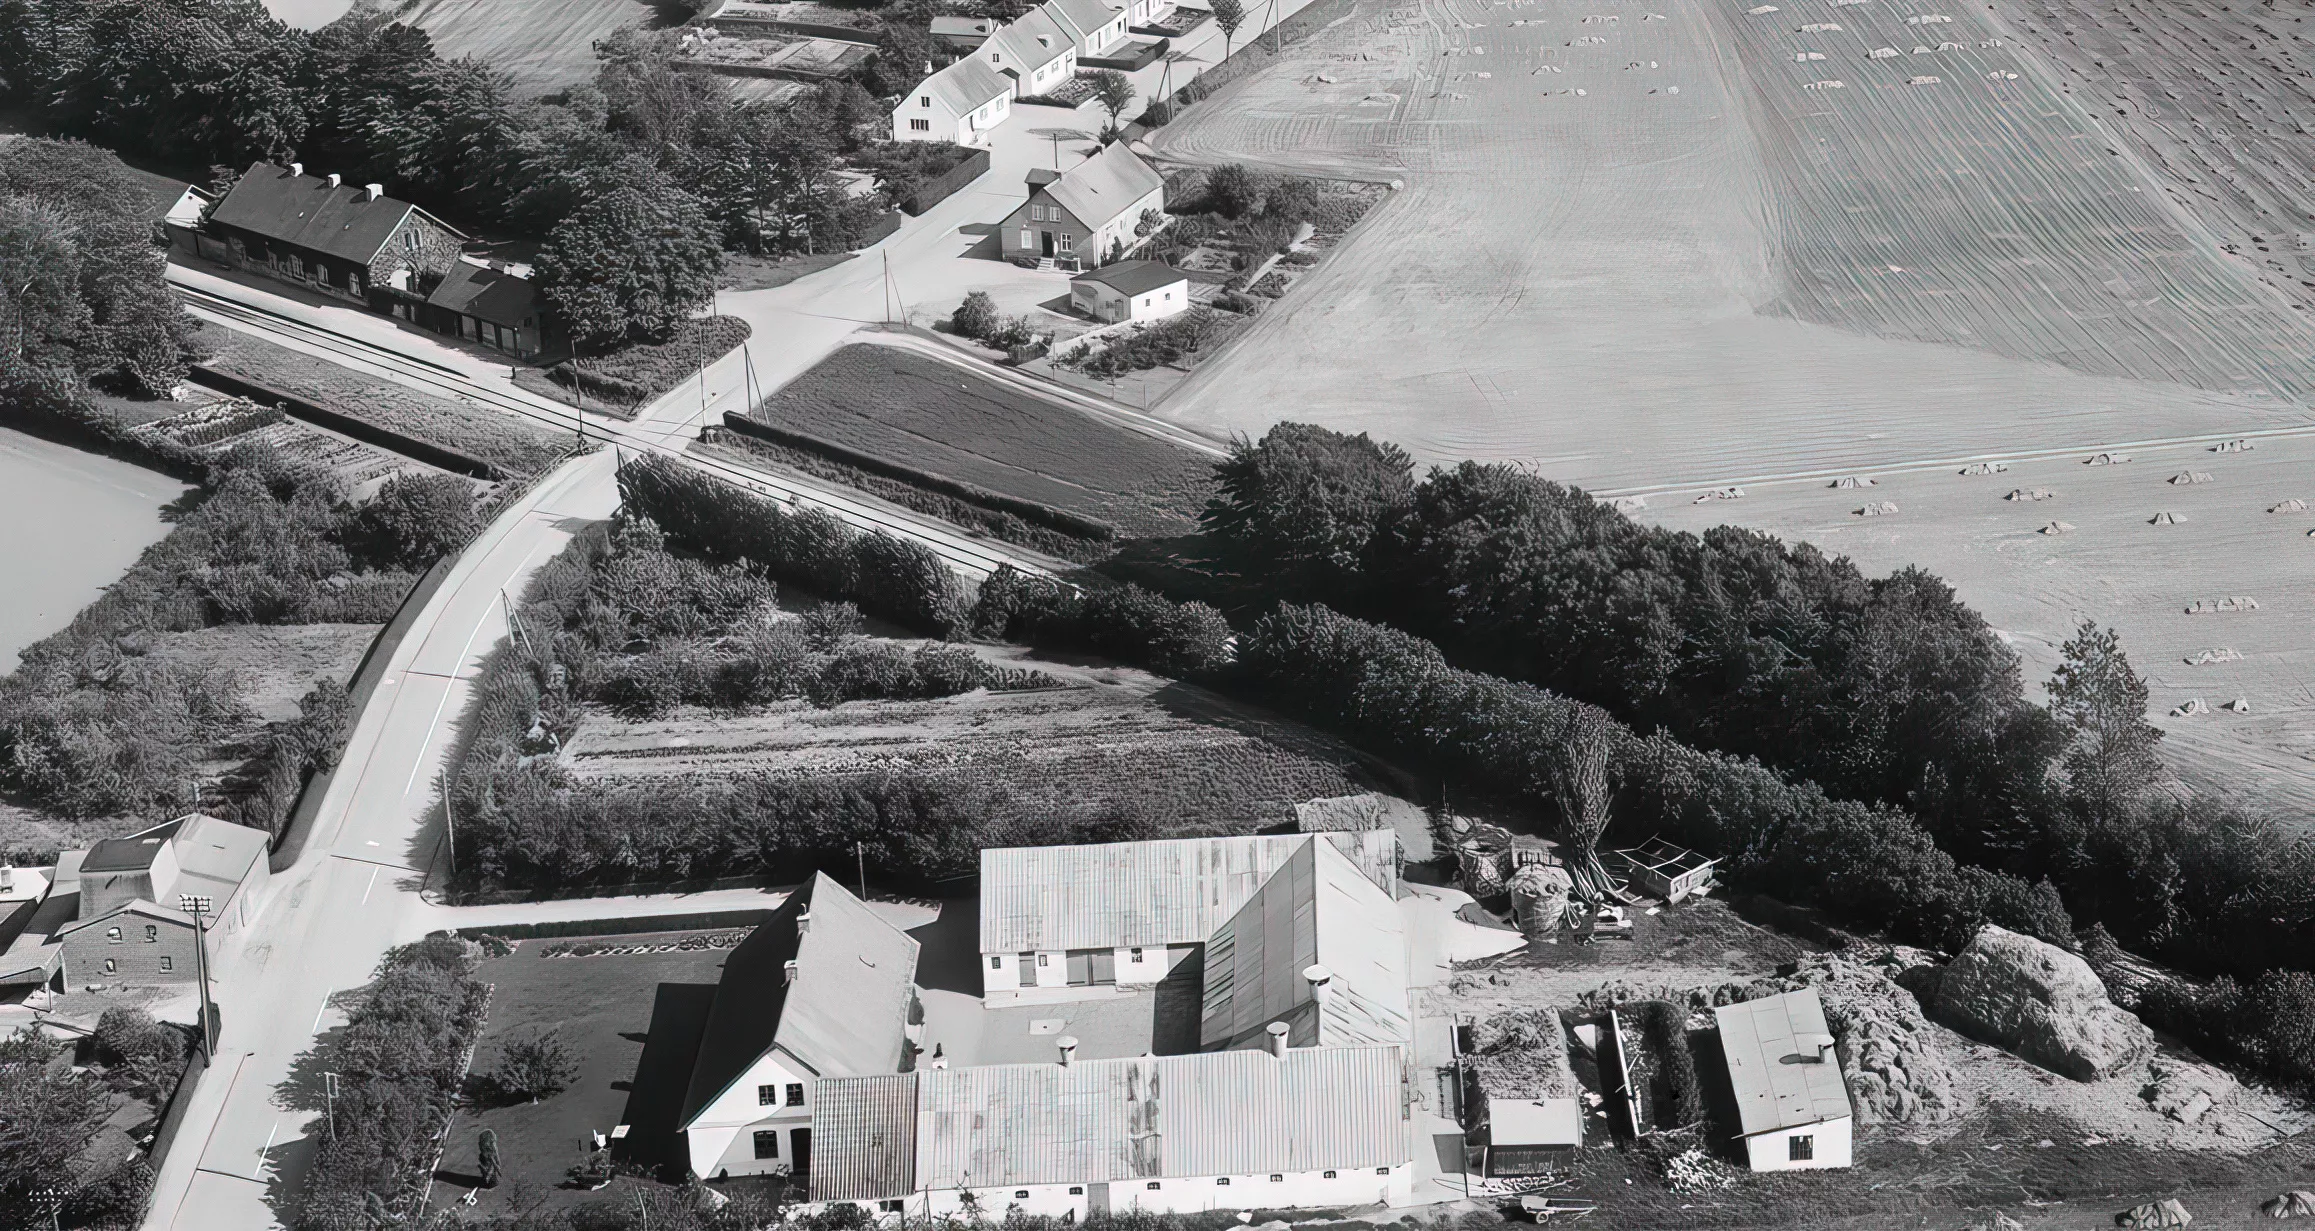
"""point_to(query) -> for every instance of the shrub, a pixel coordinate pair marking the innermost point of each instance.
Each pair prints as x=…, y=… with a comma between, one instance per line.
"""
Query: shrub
x=641, y=371
x=1187, y=641
x=535, y=1066
x=1665, y=1027
x=976, y=317
x=413, y=521
x=1233, y=190
x=141, y=1057
x=1170, y=341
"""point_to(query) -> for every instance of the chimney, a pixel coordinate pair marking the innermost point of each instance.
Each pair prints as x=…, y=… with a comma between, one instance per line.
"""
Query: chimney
x=336, y=179
x=371, y=192
x=297, y=168
x=804, y=919
x=1321, y=982
x=1278, y=1032
x=1068, y=1044
x=788, y=970
x=1815, y=1048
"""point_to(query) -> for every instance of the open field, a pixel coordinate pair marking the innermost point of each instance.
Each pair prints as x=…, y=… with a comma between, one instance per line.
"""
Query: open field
x=1114, y=739
x=545, y=45
x=929, y=415
x=1642, y=291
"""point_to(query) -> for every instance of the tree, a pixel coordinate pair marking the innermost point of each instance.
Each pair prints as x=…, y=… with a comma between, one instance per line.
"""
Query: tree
x=48, y=1112
x=196, y=81
x=1233, y=190
x=2097, y=694
x=1114, y=91
x=142, y=1057
x=536, y=1066
x=486, y=1158
x=1578, y=762
x=976, y=317
x=1229, y=15
x=413, y=521
x=1307, y=501
x=631, y=265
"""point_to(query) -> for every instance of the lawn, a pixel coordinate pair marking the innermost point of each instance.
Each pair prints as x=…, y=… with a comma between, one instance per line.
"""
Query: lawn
x=918, y=412
x=517, y=446
x=603, y=1006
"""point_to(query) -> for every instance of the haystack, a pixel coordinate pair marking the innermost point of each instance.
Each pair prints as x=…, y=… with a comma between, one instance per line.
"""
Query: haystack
x=1977, y=467
x=2187, y=477
x=1895, y=1072
x=2293, y=505
x=2233, y=446
x=2106, y=459
x=2164, y=1213
x=2165, y=518
x=1851, y=480
x=2030, y=493
x=2191, y=708
x=2297, y=1203
x=1878, y=508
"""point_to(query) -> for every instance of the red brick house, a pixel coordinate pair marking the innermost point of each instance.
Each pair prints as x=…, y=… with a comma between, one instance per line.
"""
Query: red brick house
x=340, y=239
x=1086, y=216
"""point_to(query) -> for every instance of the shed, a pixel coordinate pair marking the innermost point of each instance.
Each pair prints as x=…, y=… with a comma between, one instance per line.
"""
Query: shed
x=1667, y=871
x=1131, y=291
x=1531, y=1136
x=1791, y=1100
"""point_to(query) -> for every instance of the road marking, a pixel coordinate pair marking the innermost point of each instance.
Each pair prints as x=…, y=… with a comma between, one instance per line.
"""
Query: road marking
x=318, y=1013
x=376, y=863
x=372, y=885
x=270, y=1133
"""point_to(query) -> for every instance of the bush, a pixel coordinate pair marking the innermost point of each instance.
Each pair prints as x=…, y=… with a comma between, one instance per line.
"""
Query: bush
x=976, y=317
x=262, y=794
x=413, y=521
x=141, y=1057
x=1665, y=1027
x=535, y=1066
x=1187, y=641
x=1233, y=190
x=642, y=371
x=1170, y=341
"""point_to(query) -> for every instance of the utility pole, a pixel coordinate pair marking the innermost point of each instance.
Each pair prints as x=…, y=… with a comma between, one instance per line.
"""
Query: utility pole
x=860, y=853
x=330, y=1087
x=449, y=830
x=198, y=905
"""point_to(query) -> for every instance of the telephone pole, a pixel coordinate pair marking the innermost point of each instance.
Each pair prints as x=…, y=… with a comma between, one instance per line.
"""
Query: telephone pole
x=198, y=905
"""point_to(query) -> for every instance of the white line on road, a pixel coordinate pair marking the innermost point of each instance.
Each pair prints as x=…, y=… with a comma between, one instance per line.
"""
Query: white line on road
x=372, y=885
x=418, y=766
x=317, y=1013
x=270, y=1133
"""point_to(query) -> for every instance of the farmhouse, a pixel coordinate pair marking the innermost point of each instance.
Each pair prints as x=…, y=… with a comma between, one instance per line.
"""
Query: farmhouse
x=1791, y=1101
x=1094, y=26
x=115, y=915
x=962, y=33
x=823, y=989
x=1068, y=922
x=960, y=104
x=324, y=235
x=1085, y=214
x=1131, y=291
x=1034, y=52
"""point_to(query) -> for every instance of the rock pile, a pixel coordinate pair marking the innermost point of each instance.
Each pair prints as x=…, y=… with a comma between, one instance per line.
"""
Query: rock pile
x=2040, y=1002
x=1896, y=1072
x=2184, y=1091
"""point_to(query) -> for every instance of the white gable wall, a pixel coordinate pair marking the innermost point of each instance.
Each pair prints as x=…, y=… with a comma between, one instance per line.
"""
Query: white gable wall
x=1829, y=1144
x=722, y=1136
x=1181, y=1194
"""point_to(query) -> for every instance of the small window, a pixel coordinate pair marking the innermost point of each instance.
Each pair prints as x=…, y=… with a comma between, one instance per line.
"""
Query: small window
x=1153, y=1185
x=1223, y=1181
x=152, y=933
x=922, y=126
x=410, y=239
x=1803, y=1148
x=1328, y=1176
x=1382, y=1171
x=112, y=936
x=168, y=963
x=1020, y=1194
x=1068, y=241
x=767, y=1096
x=1076, y=1190
x=767, y=1143
x=795, y=1094
x=1277, y=1179
x=1044, y=959
x=995, y=962
x=892, y=1207
x=1027, y=238
x=925, y=101
x=1137, y=955
x=111, y=966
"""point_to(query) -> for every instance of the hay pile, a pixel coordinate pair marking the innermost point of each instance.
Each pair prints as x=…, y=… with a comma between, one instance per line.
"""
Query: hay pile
x=1522, y=1054
x=1896, y=1072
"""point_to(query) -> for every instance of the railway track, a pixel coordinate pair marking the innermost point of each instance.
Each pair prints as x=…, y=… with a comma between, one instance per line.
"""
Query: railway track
x=971, y=556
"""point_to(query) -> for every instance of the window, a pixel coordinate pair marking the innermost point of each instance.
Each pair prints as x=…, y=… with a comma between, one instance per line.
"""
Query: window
x=1028, y=239
x=1277, y=1179
x=767, y=1096
x=1153, y=1184
x=1136, y=952
x=1020, y=1194
x=1223, y=1182
x=767, y=1143
x=1803, y=1147
x=1076, y=1190
x=112, y=936
x=920, y=126
x=110, y=966
x=1328, y=1176
x=410, y=239
x=168, y=963
x=795, y=1094
x=1044, y=959
x=924, y=101
x=152, y=933
x=995, y=962
x=1382, y=1171
x=1068, y=241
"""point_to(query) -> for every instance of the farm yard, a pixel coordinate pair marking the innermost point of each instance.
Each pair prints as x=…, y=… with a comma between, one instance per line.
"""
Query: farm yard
x=918, y=412
x=1752, y=283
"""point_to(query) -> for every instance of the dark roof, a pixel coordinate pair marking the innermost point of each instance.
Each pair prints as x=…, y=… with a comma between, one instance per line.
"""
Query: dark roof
x=122, y=854
x=304, y=210
x=486, y=294
x=846, y=1014
x=1130, y=278
x=1041, y=176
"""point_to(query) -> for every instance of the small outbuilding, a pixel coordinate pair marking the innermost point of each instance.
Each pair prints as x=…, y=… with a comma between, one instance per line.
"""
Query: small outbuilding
x=1792, y=1102
x=1532, y=1136
x=1131, y=291
x=1667, y=871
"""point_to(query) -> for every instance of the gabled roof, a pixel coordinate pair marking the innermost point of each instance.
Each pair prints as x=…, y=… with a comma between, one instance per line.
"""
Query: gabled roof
x=1080, y=17
x=134, y=853
x=1111, y=182
x=846, y=1013
x=963, y=87
x=304, y=210
x=1032, y=41
x=1171, y=892
x=1773, y=1053
x=1130, y=278
x=951, y=26
x=1095, y=1121
x=141, y=909
x=486, y=294
x=1317, y=910
x=220, y=853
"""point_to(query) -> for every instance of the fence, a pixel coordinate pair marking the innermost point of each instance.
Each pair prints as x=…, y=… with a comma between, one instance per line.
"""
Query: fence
x=941, y=187
x=173, y=1115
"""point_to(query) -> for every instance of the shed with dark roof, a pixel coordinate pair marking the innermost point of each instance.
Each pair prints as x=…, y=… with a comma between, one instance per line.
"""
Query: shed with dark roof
x=488, y=306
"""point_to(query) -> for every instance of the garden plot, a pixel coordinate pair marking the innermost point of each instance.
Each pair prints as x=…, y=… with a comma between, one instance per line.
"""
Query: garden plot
x=1114, y=737
x=1701, y=283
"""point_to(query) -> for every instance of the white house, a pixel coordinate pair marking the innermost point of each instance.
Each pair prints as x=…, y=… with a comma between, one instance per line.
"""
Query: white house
x=1035, y=52
x=1067, y=922
x=1791, y=1101
x=1131, y=291
x=960, y=103
x=822, y=989
x=1227, y=1130
x=1094, y=25
x=1082, y=215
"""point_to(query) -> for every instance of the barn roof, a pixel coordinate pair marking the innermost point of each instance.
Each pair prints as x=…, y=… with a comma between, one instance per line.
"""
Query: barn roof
x=1317, y=910
x=1172, y=892
x=1773, y=1053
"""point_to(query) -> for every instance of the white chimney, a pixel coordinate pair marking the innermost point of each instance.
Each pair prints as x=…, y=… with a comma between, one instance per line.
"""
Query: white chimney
x=1068, y=1045
x=804, y=919
x=1817, y=1047
x=297, y=168
x=788, y=970
x=1321, y=980
x=336, y=179
x=371, y=192
x=1278, y=1032
x=7, y=878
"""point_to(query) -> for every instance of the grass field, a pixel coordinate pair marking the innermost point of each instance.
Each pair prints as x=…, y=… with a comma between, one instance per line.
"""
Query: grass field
x=602, y=1004
x=544, y=45
x=928, y=415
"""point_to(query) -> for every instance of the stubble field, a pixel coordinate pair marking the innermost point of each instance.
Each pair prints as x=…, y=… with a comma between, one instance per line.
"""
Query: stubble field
x=1752, y=280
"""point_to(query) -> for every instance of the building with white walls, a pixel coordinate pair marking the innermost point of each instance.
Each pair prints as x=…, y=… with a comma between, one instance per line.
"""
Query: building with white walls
x=960, y=103
x=1791, y=1100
